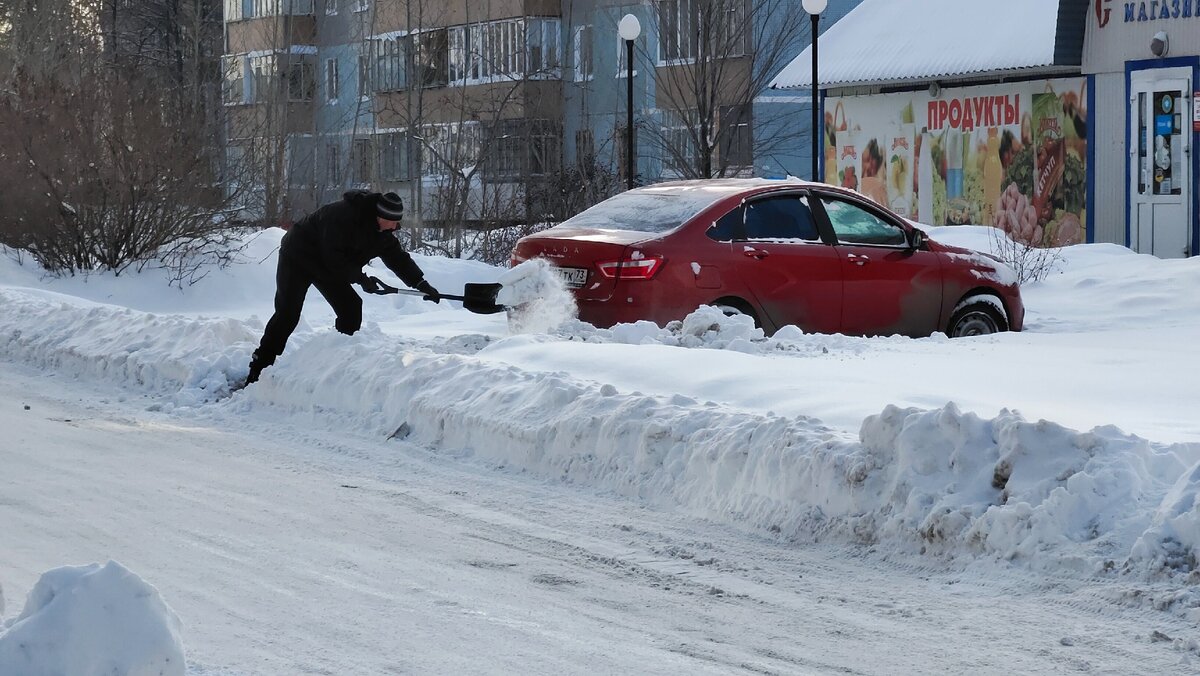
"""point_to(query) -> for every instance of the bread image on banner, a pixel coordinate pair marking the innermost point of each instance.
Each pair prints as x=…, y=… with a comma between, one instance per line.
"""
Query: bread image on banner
x=900, y=156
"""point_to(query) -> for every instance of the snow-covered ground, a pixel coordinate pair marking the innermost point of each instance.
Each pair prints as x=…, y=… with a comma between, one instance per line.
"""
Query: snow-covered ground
x=438, y=494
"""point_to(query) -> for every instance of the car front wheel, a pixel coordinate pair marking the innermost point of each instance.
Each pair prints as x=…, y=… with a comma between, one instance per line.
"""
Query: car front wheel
x=977, y=316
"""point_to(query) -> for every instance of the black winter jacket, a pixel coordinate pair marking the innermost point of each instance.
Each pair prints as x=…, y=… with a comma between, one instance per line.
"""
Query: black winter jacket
x=334, y=242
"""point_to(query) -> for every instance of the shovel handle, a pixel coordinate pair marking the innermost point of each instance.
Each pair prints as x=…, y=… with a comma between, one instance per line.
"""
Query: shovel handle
x=385, y=290
x=482, y=302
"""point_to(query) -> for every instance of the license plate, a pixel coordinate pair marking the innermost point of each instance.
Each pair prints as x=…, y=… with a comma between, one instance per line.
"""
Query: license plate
x=574, y=278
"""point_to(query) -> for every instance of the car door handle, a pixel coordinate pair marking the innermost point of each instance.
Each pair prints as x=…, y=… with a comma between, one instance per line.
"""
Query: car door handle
x=858, y=260
x=756, y=253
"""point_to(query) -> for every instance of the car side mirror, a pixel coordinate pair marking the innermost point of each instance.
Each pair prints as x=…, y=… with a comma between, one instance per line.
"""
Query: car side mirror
x=916, y=239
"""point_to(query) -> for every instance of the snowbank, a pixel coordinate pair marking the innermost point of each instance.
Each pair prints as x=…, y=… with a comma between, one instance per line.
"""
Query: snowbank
x=937, y=481
x=92, y=621
x=931, y=479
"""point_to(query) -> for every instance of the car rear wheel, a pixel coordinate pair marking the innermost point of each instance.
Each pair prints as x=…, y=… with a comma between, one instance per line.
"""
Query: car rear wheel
x=733, y=306
x=977, y=316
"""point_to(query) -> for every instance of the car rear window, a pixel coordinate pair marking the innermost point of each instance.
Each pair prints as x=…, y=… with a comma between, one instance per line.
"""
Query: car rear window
x=651, y=209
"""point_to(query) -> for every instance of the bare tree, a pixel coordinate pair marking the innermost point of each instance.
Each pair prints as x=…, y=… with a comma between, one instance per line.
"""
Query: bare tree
x=106, y=137
x=480, y=126
x=715, y=57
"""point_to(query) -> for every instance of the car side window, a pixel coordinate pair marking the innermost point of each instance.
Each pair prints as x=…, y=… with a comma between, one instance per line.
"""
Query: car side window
x=726, y=228
x=854, y=225
x=782, y=217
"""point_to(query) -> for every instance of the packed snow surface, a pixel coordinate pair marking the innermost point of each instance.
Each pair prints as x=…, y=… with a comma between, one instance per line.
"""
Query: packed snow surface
x=1071, y=448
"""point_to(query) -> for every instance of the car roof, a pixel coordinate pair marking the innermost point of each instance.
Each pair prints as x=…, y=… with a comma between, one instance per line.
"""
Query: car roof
x=744, y=187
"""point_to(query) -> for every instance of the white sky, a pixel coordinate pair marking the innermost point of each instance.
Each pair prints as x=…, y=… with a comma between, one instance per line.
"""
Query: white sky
x=570, y=497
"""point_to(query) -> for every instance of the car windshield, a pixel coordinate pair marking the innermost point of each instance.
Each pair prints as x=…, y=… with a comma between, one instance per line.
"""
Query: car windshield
x=650, y=209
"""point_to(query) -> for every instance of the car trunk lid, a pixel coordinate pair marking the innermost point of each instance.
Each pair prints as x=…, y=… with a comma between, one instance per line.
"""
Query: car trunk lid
x=577, y=253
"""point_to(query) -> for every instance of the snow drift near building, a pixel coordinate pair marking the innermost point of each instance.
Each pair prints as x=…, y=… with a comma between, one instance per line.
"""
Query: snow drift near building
x=92, y=621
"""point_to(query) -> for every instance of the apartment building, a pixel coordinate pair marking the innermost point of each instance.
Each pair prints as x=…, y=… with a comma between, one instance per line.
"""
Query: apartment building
x=476, y=110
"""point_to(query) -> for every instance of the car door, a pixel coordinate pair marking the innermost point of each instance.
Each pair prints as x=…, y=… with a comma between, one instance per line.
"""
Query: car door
x=795, y=277
x=887, y=286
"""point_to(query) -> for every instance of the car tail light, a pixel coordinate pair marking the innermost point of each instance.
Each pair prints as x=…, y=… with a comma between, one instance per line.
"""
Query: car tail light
x=641, y=268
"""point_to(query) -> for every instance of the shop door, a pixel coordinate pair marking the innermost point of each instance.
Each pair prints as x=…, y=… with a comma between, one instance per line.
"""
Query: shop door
x=1160, y=157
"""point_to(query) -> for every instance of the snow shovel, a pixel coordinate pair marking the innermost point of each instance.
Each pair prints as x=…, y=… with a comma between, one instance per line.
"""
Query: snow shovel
x=479, y=298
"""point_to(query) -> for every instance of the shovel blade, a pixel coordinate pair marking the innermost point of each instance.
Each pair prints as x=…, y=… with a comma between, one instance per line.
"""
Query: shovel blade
x=481, y=298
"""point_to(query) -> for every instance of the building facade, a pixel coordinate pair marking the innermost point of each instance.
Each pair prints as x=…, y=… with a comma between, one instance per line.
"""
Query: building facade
x=1142, y=61
x=499, y=110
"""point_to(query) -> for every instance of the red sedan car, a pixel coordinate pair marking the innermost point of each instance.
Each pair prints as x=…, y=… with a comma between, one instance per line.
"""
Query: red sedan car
x=785, y=253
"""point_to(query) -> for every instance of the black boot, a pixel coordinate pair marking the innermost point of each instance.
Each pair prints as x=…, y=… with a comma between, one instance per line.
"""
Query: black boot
x=257, y=364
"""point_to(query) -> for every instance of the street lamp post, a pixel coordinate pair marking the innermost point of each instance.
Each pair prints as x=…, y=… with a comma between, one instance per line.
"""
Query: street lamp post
x=814, y=9
x=629, y=28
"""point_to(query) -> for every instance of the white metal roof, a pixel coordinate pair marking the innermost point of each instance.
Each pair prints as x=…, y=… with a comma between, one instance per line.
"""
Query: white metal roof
x=888, y=41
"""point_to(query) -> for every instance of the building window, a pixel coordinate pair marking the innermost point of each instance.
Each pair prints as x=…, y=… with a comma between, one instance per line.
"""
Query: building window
x=393, y=156
x=506, y=148
x=678, y=29
x=463, y=58
x=360, y=161
x=333, y=165
x=545, y=148
x=735, y=29
x=236, y=10
x=503, y=50
x=389, y=64
x=331, y=7
x=542, y=49
x=263, y=70
x=265, y=7
x=331, y=80
x=302, y=84
x=737, y=146
x=431, y=58
x=679, y=145
x=364, y=75
x=583, y=53
x=449, y=147
x=234, y=83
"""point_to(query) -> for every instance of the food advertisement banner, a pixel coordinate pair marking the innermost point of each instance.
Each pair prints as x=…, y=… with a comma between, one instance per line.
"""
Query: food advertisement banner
x=1013, y=156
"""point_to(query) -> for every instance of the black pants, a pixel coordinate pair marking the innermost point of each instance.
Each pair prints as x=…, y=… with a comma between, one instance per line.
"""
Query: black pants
x=292, y=279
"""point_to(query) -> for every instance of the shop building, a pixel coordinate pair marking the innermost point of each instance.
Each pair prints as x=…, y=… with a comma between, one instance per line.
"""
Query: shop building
x=1061, y=122
x=1142, y=61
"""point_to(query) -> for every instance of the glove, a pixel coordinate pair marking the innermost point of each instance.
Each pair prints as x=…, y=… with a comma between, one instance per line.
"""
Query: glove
x=430, y=292
x=373, y=285
x=370, y=284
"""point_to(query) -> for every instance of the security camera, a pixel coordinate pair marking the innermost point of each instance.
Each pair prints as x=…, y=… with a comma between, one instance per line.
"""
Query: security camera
x=1159, y=44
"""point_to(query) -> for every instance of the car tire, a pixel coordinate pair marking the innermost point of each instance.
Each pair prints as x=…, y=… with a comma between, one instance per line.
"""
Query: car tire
x=977, y=316
x=734, y=307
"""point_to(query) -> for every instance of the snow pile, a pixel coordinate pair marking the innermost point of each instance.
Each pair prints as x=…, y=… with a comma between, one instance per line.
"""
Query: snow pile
x=92, y=621
x=929, y=478
x=191, y=360
x=538, y=299
x=710, y=328
x=936, y=481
